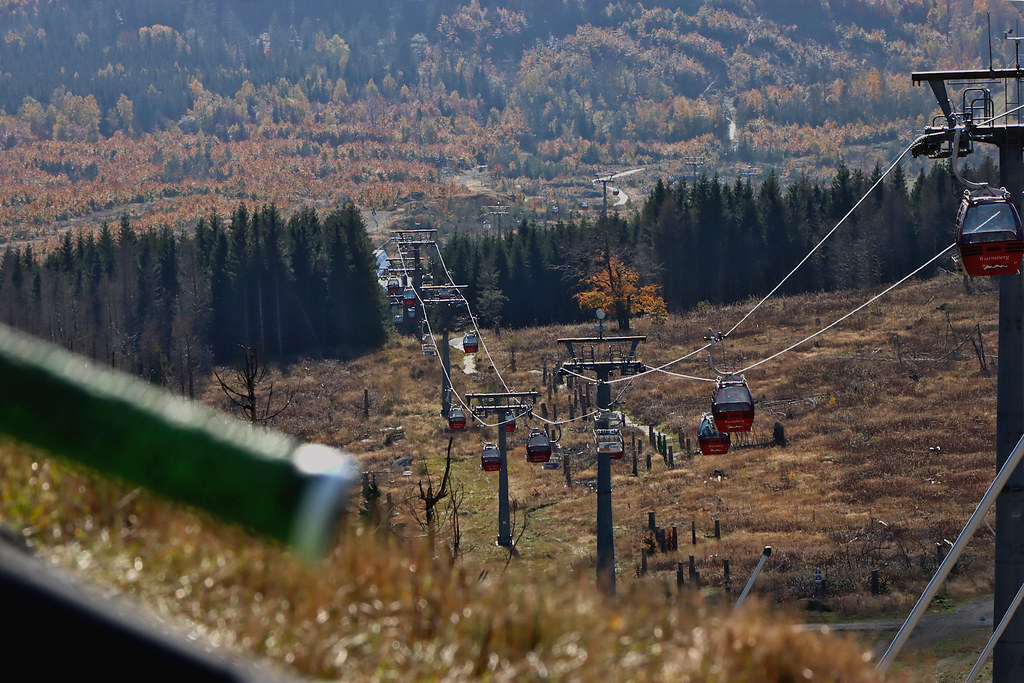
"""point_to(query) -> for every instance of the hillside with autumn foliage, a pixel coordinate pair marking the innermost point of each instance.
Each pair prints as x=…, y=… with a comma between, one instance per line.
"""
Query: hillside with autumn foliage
x=169, y=113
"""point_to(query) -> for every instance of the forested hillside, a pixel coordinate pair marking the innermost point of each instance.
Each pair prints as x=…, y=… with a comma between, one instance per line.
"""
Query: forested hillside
x=172, y=110
x=168, y=120
x=165, y=306
x=719, y=242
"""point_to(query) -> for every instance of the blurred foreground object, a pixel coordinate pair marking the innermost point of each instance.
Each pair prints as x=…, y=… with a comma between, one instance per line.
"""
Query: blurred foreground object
x=118, y=424
x=59, y=630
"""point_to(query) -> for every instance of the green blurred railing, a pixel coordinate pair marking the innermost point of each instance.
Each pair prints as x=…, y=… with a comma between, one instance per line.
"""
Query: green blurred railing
x=122, y=426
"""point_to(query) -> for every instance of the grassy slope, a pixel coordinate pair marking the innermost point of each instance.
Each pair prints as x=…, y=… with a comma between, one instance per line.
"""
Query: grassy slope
x=862, y=406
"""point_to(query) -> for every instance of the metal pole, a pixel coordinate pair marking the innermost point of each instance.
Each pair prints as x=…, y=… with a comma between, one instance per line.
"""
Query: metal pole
x=446, y=365
x=1008, y=657
x=605, y=537
x=983, y=657
x=504, y=523
x=765, y=554
x=962, y=540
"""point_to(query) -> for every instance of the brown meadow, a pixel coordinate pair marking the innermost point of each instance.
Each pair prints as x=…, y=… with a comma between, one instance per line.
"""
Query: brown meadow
x=890, y=421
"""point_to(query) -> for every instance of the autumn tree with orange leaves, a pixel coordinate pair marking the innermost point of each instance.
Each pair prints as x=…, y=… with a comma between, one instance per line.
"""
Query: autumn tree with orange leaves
x=616, y=288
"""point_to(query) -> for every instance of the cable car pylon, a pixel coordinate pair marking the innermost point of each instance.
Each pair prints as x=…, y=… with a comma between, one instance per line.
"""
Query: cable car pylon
x=507, y=407
x=604, y=180
x=584, y=358
x=1008, y=136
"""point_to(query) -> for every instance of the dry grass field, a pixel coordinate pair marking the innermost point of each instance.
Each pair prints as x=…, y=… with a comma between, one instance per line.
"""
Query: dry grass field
x=889, y=417
x=890, y=422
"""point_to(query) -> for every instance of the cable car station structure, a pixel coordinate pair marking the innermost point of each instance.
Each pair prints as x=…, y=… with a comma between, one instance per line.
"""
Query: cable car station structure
x=962, y=124
x=583, y=358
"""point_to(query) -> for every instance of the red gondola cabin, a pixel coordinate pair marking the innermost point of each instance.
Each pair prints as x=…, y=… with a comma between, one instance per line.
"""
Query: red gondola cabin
x=409, y=298
x=988, y=233
x=490, y=458
x=456, y=418
x=469, y=343
x=710, y=440
x=732, y=406
x=538, y=446
x=394, y=286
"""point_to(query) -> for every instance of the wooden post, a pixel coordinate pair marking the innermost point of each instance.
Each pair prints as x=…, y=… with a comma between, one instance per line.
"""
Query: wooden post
x=643, y=561
x=651, y=521
x=671, y=459
x=728, y=578
x=675, y=538
x=874, y=582
x=679, y=575
x=779, y=434
x=718, y=531
x=650, y=434
x=635, y=462
x=659, y=534
x=648, y=461
x=693, y=531
x=695, y=585
x=693, y=568
x=366, y=403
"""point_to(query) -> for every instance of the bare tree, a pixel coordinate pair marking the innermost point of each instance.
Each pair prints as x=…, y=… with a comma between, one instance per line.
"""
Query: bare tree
x=246, y=397
x=432, y=498
x=454, y=505
x=518, y=528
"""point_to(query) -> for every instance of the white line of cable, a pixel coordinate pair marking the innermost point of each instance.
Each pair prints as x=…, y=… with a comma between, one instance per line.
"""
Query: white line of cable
x=760, y=303
x=437, y=353
x=856, y=310
x=433, y=342
x=682, y=376
x=480, y=337
x=661, y=368
x=827, y=235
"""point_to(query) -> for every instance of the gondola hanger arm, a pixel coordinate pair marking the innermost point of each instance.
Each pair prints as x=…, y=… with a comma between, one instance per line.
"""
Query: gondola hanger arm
x=715, y=337
x=954, y=159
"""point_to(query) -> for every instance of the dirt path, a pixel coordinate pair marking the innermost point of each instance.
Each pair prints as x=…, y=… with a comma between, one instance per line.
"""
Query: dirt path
x=931, y=628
